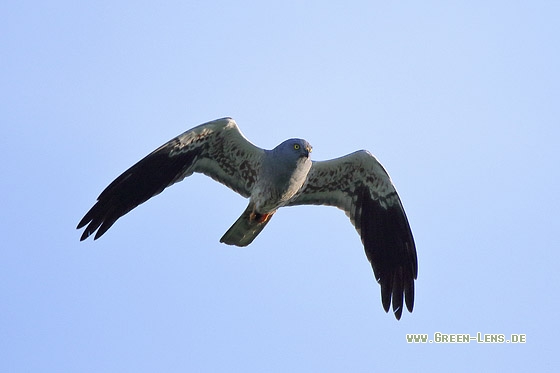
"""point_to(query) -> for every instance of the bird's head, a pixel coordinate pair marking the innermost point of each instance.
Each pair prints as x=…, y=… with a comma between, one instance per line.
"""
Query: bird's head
x=294, y=148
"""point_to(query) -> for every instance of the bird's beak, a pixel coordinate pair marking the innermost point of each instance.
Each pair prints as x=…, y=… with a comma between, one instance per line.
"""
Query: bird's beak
x=309, y=149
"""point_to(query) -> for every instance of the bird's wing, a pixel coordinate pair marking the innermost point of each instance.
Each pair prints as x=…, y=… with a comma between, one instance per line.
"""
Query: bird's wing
x=217, y=149
x=358, y=184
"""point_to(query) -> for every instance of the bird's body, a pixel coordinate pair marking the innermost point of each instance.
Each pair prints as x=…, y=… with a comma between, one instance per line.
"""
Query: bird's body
x=283, y=172
x=283, y=176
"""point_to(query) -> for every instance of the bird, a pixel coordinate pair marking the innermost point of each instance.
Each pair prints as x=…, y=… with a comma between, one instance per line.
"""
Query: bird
x=357, y=183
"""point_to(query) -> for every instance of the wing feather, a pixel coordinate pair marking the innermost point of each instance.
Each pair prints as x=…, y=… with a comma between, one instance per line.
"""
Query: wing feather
x=358, y=184
x=217, y=149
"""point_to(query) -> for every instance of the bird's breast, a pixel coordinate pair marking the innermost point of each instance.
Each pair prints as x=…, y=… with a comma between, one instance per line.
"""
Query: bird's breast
x=274, y=191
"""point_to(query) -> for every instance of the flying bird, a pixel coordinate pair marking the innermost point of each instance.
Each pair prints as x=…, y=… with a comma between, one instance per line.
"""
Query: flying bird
x=284, y=176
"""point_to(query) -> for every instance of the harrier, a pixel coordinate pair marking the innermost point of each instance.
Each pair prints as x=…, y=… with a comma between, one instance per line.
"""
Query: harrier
x=284, y=176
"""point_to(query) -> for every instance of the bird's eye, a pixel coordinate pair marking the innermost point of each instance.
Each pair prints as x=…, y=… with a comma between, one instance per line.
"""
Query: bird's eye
x=296, y=146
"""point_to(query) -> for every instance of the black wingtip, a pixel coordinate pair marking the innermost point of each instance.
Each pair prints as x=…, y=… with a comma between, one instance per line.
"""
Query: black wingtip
x=398, y=313
x=386, y=287
x=147, y=178
x=409, y=296
x=86, y=233
x=397, y=296
x=390, y=248
x=81, y=224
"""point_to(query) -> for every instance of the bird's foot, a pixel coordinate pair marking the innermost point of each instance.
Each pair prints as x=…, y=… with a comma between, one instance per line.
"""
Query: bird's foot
x=259, y=218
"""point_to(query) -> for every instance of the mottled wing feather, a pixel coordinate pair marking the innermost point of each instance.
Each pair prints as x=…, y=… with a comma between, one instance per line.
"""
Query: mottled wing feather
x=217, y=149
x=359, y=185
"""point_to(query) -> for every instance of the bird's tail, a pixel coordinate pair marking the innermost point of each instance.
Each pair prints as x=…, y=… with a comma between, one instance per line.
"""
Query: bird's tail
x=246, y=228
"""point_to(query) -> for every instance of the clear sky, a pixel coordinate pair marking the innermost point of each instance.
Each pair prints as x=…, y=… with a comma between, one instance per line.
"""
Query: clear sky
x=458, y=100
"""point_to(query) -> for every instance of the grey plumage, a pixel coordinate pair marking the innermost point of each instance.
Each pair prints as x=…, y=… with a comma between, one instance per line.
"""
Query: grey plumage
x=283, y=176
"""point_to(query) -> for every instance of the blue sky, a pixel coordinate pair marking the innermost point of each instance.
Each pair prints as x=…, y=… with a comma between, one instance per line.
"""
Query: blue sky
x=458, y=100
